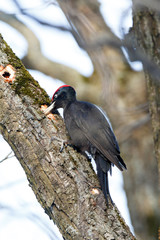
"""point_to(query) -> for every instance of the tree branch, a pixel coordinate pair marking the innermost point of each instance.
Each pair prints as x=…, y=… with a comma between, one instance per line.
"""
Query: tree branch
x=6, y=157
x=51, y=68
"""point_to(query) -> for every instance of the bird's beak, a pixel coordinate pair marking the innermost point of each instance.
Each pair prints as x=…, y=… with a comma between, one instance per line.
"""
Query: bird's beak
x=49, y=109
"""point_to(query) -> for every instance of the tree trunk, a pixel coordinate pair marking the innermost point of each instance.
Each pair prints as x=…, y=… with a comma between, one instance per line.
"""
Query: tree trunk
x=146, y=29
x=64, y=182
x=121, y=90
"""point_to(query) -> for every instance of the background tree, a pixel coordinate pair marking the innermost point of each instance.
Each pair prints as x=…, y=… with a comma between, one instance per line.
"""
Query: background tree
x=113, y=76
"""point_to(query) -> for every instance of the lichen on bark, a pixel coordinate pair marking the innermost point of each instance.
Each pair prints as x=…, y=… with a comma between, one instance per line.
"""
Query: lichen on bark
x=24, y=84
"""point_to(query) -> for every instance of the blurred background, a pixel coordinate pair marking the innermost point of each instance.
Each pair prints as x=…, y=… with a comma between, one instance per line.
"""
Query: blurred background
x=52, y=49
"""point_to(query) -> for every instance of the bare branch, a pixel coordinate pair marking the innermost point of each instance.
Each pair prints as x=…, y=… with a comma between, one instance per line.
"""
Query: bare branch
x=59, y=27
x=51, y=68
x=7, y=157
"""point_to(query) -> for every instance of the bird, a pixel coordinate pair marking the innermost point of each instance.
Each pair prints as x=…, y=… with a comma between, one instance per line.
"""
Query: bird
x=90, y=132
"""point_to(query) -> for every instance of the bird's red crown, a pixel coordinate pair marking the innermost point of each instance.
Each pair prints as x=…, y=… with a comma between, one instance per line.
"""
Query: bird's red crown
x=58, y=89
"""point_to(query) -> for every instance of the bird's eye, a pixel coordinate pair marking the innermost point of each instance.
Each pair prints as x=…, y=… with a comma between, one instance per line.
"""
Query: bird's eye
x=55, y=96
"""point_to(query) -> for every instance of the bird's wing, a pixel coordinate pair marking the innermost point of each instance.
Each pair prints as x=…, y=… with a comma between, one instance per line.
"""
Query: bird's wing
x=97, y=129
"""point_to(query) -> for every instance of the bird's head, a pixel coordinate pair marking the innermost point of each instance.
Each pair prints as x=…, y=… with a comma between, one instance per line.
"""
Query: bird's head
x=62, y=96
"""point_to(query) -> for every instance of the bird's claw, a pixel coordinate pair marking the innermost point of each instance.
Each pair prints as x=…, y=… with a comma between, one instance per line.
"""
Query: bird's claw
x=63, y=143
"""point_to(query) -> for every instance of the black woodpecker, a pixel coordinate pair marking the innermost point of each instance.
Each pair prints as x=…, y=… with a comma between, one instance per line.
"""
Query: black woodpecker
x=90, y=132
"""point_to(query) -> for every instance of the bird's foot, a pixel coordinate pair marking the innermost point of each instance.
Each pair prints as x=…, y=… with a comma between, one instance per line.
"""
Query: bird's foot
x=63, y=142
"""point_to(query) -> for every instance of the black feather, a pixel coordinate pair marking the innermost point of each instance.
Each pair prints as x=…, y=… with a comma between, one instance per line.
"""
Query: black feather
x=103, y=167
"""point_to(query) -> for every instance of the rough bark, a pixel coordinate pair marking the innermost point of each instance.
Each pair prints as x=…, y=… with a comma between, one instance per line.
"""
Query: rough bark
x=147, y=32
x=146, y=29
x=62, y=182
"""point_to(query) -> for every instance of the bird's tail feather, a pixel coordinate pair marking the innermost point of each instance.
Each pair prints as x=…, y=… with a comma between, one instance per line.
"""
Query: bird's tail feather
x=102, y=171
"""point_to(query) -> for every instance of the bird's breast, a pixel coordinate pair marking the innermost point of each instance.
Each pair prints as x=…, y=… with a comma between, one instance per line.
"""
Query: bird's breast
x=76, y=134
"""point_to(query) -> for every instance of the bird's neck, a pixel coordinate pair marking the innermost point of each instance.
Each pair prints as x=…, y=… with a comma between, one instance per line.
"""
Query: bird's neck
x=68, y=103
